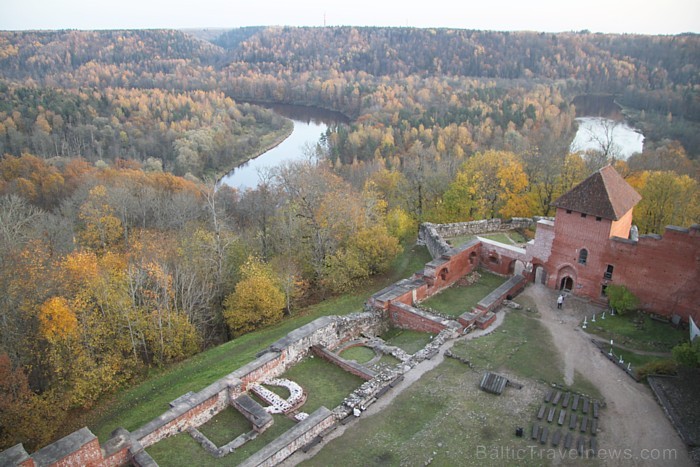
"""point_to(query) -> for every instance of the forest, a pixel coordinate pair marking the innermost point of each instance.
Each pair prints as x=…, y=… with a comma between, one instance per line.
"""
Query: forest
x=119, y=252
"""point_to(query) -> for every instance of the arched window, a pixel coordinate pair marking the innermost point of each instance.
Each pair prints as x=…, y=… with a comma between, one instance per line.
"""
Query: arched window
x=583, y=256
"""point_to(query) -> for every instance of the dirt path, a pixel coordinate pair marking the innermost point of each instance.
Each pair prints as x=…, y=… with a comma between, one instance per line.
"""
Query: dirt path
x=633, y=423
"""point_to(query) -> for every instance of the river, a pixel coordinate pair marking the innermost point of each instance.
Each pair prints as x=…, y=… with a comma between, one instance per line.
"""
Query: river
x=599, y=118
x=310, y=123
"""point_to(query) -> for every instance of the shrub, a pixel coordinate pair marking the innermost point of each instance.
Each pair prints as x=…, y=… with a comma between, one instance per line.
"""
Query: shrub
x=657, y=367
x=621, y=299
x=687, y=354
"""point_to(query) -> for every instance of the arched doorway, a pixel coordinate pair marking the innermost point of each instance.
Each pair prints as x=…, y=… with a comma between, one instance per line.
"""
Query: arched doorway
x=566, y=284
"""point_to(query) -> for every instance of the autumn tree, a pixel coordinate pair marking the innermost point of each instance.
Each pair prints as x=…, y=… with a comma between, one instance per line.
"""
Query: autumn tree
x=489, y=184
x=667, y=199
x=257, y=300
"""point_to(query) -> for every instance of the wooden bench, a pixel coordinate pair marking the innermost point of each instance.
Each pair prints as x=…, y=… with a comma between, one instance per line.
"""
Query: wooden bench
x=565, y=402
x=596, y=406
x=594, y=426
x=584, y=424
x=562, y=417
x=544, y=435
x=557, y=396
x=572, y=422
x=548, y=396
x=540, y=414
x=567, y=441
x=556, y=438
x=585, y=405
x=535, y=431
x=550, y=416
x=574, y=406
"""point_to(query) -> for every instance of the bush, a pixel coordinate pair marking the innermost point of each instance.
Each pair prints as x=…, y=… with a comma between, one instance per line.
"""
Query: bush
x=657, y=367
x=687, y=354
x=621, y=299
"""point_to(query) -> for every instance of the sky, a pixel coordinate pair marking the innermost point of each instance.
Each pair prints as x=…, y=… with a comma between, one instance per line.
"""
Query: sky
x=609, y=16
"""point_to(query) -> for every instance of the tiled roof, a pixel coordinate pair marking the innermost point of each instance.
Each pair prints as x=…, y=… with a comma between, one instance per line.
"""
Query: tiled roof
x=604, y=194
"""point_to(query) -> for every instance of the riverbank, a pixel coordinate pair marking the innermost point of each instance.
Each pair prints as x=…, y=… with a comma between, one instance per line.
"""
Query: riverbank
x=268, y=142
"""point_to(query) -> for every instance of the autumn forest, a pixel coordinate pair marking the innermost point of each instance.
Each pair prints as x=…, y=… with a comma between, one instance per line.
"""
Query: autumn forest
x=119, y=252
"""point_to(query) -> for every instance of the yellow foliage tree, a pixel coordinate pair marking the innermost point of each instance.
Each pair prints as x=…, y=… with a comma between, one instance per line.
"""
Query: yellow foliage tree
x=256, y=301
x=667, y=199
x=57, y=319
x=101, y=228
x=489, y=184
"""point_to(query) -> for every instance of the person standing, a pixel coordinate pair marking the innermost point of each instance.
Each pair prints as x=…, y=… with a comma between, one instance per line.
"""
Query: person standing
x=560, y=301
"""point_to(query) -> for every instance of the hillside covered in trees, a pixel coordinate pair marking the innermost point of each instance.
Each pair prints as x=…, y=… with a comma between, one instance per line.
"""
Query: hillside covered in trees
x=119, y=253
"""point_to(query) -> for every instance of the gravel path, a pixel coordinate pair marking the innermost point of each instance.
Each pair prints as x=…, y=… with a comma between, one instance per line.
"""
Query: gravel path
x=633, y=423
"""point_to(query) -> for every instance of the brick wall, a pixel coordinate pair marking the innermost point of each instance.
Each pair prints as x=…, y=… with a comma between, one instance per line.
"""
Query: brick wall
x=662, y=271
x=350, y=367
x=407, y=317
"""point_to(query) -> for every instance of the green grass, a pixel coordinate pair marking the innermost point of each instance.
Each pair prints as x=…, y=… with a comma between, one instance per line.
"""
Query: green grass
x=281, y=391
x=443, y=418
x=407, y=340
x=637, y=360
x=324, y=383
x=459, y=241
x=141, y=403
x=225, y=426
x=511, y=237
x=388, y=360
x=523, y=346
x=457, y=299
x=440, y=420
x=183, y=450
x=637, y=331
x=360, y=354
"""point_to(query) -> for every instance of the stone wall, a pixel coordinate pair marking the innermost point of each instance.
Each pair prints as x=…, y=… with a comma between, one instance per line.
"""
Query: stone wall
x=192, y=410
x=349, y=366
x=501, y=259
x=284, y=446
x=407, y=317
x=433, y=235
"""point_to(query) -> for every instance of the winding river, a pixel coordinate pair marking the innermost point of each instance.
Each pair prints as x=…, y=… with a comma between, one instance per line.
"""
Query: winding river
x=310, y=123
x=599, y=119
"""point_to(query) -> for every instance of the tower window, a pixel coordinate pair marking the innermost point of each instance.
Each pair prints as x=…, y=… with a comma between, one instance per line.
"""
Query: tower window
x=608, y=272
x=598, y=218
x=568, y=211
x=583, y=214
x=583, y=256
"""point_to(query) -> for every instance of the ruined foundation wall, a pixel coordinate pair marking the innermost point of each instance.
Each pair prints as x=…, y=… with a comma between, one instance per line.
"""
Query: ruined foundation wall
x=198, y=408
x=433, y=235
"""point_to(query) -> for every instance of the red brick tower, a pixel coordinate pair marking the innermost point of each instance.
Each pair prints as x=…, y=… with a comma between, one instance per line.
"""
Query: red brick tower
x=587, y=217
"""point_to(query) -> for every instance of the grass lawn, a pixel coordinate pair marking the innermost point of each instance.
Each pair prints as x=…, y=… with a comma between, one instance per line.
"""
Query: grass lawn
x=183, y=450
x=407, y=340
x=457, y=299
x=637, y=360
x=444, y=419
x=522, y=346
x=360, y=354
x=324, y=383
x=141, y=403
x=511, y=237
x=225, y=426
x=638, y=331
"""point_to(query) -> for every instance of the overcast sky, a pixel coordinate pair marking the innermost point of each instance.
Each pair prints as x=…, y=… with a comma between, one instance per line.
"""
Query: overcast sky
x=621, y=16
